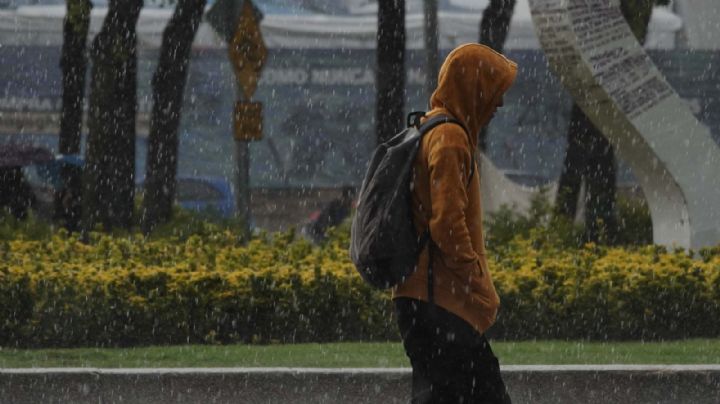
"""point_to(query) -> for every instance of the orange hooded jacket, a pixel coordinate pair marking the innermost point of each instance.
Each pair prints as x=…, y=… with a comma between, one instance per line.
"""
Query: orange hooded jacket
x=472, y=79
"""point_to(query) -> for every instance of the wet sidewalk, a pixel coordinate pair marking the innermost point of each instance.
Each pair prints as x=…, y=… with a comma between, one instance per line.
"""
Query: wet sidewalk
x=527, y=384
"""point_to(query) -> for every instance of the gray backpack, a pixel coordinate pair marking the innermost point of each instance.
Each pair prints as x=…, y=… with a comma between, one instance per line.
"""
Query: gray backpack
x=384, y=245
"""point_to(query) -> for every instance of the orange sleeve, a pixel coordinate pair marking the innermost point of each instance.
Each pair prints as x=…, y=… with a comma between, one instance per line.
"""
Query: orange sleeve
x=450, y=165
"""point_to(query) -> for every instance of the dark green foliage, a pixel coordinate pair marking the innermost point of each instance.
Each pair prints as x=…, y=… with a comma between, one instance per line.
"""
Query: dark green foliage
x=634, y=222
x=541, y=221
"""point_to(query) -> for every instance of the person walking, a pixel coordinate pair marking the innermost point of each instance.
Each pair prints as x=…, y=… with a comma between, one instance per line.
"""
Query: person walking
x=445, y=306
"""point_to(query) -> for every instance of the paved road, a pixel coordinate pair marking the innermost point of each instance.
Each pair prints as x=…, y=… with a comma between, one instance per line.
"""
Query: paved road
x=527, y=384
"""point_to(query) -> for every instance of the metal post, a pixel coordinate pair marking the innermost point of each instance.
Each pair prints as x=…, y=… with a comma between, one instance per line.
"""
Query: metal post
x=242, y=193
x=239, y=21
x=431, y=46
x=242, y=159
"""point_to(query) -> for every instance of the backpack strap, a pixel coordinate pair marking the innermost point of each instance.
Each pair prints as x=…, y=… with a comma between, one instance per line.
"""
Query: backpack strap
x=425, y=127
x=413, y=118
x=428, y=125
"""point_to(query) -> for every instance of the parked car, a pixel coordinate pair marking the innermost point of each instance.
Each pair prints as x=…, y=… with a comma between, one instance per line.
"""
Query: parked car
x=202, y=194
x=205, y=194
x=17, y=193
x=41, y=170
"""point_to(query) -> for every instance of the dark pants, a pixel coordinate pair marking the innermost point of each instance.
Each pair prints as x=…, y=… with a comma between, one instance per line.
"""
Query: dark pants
x=451, y=362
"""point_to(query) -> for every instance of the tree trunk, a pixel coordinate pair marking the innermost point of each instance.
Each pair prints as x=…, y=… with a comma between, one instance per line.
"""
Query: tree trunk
x=431, y=46
x=495, y=23
x=589, y=158
x=390, y=75
x=566, y=201
x=108, y=186
x=73, y=63
x=600, y=221
x=494, y=27
x=590, y=155
x=168, y=86
x=637, y=13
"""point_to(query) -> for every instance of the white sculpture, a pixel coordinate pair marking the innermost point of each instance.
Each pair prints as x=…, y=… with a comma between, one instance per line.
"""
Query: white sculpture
x=677, y=163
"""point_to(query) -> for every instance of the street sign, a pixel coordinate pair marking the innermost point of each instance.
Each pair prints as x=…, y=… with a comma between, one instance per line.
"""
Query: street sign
x=247, y=121
x=240, y=26
x=223, y=16
x=247, y=50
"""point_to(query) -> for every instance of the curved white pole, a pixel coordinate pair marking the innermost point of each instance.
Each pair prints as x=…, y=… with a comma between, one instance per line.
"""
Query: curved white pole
x=592, y=50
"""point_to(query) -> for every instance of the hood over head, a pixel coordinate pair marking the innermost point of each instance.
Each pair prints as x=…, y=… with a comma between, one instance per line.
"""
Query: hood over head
x=471, y=81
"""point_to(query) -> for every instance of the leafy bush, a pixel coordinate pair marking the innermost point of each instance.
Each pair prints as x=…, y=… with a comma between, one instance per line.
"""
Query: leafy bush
x=31, y=228
x=119, y=291
x=507, y=224
x=133, y=291
x=633, y=217
x=606, y=292
x=635, y=223
x=185, y=223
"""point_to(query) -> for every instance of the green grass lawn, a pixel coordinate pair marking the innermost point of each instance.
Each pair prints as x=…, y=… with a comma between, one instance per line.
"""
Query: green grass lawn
x=699, y=351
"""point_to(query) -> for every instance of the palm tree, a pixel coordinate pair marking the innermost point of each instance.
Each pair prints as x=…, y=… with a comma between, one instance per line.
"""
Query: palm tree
x=108, y=183
x=494, y=27
x=431, y=45
x=390, y=74
x=168, y=84
x=73, y=62
x=495, y=23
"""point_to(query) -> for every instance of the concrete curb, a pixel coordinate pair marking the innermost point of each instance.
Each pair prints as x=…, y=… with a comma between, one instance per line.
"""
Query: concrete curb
x=527, y=384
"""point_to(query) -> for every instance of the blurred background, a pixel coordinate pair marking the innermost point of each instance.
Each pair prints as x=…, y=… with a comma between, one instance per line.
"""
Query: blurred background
x=318, y=95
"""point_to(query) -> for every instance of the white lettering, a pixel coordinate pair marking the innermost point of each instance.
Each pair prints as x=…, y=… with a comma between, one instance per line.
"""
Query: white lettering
x=343, y=76
x=278, y=76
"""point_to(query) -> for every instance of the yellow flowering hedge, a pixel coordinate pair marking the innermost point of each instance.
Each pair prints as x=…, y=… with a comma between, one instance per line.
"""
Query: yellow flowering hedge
x=212, y=289
x=131, y=291
x=606, y=292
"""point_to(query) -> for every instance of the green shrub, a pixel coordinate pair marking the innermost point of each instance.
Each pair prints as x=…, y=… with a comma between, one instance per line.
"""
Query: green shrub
x=30, y=228
x=185, y=223
x=197, y=281
x=540, y=224
x=633, y=217
x=211, y=289
x=634, y=222
x=120, y=291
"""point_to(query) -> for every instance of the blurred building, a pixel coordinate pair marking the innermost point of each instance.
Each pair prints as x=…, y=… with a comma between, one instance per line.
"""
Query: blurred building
x=318, y=87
